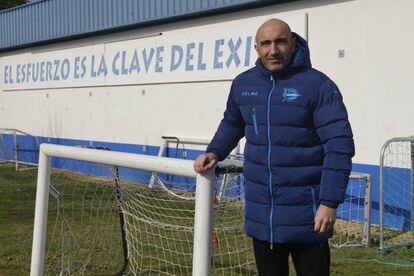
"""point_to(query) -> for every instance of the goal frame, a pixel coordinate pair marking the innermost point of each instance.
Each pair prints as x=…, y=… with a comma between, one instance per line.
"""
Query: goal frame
x=383, y=246
x=203, y=200
x=15, y=151
x=366, y=223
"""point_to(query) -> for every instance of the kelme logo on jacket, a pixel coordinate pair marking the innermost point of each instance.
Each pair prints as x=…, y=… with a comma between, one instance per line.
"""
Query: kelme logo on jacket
x=250, y=93
x=290, y=94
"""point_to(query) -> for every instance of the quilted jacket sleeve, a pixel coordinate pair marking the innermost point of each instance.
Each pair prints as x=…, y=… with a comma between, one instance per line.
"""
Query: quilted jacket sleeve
x=230, y=130
x=333, y=128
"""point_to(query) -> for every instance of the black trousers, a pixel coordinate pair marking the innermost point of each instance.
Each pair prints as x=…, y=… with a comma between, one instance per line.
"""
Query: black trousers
x=308, y=260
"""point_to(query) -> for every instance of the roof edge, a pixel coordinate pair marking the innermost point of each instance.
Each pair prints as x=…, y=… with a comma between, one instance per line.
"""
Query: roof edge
x=22, y=6
x=172, y=19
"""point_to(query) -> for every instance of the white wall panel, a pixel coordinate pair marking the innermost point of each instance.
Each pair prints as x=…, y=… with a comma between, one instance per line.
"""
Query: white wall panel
x=376, y=72
x=129, y=114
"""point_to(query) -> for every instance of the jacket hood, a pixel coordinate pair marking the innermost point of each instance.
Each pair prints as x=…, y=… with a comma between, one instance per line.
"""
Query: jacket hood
x=300, y=60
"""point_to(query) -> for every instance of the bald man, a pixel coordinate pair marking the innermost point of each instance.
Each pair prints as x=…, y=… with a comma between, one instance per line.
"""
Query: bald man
x=297, y=155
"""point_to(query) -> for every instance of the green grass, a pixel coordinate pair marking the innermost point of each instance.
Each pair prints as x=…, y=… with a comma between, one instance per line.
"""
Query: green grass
x=17, y=201
x=99, y=227
x=17, y=192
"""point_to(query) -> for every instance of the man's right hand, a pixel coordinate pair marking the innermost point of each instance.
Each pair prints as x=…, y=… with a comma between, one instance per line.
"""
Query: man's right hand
x=204, y=162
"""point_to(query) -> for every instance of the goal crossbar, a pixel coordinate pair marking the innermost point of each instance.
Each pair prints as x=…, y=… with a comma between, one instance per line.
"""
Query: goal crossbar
x=203, y=201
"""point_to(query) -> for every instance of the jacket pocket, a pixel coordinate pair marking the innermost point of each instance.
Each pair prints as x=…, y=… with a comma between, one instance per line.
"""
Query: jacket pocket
x=256, y=131
x=313, y=190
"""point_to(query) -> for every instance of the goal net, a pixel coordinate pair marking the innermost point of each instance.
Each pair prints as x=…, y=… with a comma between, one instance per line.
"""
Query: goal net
x=18, y=147
x=104, y=217
x=353, y=216
x=397, y=193
x=84, y=230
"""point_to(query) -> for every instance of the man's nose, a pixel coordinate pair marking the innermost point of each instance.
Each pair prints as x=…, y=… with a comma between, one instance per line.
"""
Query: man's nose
x=273, y=48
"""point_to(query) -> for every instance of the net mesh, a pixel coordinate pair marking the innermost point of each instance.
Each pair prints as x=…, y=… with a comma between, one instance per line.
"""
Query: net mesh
x=160, y=226
x=398, y=205
x=84, y=233
x=352, y=227
x=233, y=250
x=19, y=147
x=159, y=229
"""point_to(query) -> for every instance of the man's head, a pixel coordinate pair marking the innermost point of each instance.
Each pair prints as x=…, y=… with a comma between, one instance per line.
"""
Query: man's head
x=275, y=45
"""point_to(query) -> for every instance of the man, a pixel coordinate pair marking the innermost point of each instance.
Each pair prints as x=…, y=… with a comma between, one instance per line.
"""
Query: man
x=297, y=155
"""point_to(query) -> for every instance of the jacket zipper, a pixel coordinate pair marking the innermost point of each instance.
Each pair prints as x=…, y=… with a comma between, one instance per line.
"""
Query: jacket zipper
x=268, y=161
x=313, y=200
x=256, y=131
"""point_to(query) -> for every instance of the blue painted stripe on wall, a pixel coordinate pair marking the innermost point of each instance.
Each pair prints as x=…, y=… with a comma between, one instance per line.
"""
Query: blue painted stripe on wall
x=28, y=152
x=398, y=212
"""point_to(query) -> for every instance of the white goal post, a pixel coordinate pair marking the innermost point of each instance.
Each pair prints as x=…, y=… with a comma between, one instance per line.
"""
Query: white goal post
x=203, y=202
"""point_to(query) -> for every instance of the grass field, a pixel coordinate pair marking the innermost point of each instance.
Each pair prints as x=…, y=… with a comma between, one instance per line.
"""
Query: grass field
x=17, y=201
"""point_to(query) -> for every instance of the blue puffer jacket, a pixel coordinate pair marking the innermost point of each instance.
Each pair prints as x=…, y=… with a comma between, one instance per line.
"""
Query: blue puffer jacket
x=298, y=147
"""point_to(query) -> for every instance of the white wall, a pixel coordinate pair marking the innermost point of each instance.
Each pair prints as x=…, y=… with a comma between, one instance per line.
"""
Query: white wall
x=376, y=74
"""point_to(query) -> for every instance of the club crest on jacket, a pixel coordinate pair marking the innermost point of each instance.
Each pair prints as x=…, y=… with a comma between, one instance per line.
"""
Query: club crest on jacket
x=290, y=94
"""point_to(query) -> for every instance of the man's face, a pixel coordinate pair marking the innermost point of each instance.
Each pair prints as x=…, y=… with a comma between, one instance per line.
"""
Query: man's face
x=275, y=46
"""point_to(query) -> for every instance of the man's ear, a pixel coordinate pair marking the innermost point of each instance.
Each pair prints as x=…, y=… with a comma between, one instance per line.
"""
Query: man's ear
x=294, y=44
x=257, y=49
